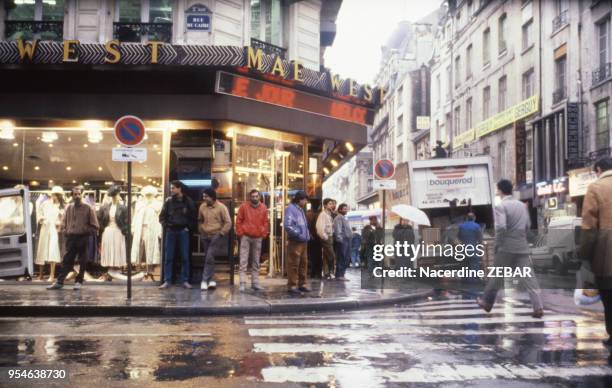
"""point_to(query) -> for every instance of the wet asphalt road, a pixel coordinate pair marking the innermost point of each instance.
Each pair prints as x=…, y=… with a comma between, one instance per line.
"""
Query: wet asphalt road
x=446, y=342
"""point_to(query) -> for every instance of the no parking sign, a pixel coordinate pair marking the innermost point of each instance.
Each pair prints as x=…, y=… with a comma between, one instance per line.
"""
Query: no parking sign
x=129, y=131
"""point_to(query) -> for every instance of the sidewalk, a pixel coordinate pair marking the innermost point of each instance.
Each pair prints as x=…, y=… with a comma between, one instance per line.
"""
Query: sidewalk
x=109, y=299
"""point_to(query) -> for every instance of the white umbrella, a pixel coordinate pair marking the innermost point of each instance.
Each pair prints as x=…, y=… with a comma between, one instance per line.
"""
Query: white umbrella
x=411, y=213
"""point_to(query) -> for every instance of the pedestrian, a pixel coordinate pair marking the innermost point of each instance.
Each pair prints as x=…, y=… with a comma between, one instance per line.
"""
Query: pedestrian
x=511, y=248
x=252, y=226
x=355, y=246
x=470, y=235
x=78, y=224
x=371, y=235
x=325, y=231
x=315, y=259
x=296, y=226
x=596, y=238
x=403, y=233
x=214, y=224
x=342, y=236
x=177, y=217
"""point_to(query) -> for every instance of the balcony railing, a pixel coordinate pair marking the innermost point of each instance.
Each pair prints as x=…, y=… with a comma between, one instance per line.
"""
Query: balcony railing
x=269, y=48
x=559, y=95
x=561, y=20
x=602, y=73
x=30, y=29
x=137, y=32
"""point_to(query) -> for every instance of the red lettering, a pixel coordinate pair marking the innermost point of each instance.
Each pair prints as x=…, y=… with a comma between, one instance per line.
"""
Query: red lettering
x=287, y=97
x=240, y=86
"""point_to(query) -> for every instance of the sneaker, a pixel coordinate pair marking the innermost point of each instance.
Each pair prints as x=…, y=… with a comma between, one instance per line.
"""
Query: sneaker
x=242, y=287
x=204, y=286
x=77, y=286
x=538, y=313
x=257, y=287
x=212, y=285
x=164, y=286
x=187, y=285
x=294, y=291
x=55, y=286
x=483, y=305
x=304, y=289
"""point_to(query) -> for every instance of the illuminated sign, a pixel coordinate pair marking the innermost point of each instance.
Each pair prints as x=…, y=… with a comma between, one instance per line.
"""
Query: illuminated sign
x=544, y=188
x=239, y=86
x=560, y=185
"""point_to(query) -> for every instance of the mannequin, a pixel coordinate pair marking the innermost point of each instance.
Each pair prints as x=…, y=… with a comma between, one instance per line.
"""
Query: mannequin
x=50, y=219
x=113, y=229
x=147, y=230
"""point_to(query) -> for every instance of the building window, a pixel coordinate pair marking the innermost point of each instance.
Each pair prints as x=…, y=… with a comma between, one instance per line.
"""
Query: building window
x=457, y=70
x=267, y=21
x=470, y=8
x=400, y=125
x=486, y=102
x=400, y=153
x=134, y=25
x=468, y=62
x=561, y=9
x=502, y=94
x=501, y=159
x=528, y=34
x=603, y=71
x=602, y=125
x=502, y=33
x=528, y=83
x=449, y=83
x=400, y=97
x=457, y=123
x=34, y=19
x=438, y=90
x=560, y=88
x=468, y=114
x=486, y=42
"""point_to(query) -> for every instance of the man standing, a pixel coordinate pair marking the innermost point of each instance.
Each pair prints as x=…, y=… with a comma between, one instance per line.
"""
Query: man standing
x=325, y=231
x=214, y=224
x=177, y=217
x=252, y=226
x=78, y=224
x=596, y=239
x=470, y=234
x=511, y=248
x=342, y=235
x=296, y=226
x=371, y=235
x=355, y=245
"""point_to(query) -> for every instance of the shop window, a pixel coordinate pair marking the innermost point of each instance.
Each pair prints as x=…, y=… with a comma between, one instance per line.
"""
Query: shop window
x=267, y=26
x=143, y=20
x=34, y=19
x=602, y=125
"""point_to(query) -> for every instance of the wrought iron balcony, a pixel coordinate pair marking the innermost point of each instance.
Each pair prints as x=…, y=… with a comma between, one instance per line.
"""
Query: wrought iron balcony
x=561, y=20
x=137, y=32
x=30, y=29
x=559, y=95
x=269, y=48
x=602, y=73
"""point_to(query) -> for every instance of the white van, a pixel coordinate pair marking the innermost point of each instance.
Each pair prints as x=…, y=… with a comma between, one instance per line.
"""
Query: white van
x=558, y=247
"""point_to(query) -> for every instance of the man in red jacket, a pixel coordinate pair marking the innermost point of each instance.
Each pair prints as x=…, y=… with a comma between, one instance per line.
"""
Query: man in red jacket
x=252, y=226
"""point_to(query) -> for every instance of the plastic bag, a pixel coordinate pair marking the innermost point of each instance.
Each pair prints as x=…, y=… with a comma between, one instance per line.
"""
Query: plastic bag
x=585, y=294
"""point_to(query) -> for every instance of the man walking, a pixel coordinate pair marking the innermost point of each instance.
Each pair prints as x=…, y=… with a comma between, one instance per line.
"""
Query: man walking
x=252, y=226
x=78, y=224
x=342, y=235
x=177, y=217
x=214, y=224
x=511, y=248
x=296, y=226
x=325, y=231
x=596, y=239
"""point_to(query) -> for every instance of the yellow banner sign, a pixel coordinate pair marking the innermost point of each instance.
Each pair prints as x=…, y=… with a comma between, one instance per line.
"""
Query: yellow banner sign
x=464, y=138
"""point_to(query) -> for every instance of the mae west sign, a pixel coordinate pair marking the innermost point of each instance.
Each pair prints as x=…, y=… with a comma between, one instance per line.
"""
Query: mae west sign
x=439, y=186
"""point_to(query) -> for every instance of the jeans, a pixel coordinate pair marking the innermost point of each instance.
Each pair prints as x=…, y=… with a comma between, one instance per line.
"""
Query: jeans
x=343, y=254
x=76, y=244
x=174, y=237
x=297, y=264
x=329, y=256
x=250, y=247
x=355, y=255
x=210, y=245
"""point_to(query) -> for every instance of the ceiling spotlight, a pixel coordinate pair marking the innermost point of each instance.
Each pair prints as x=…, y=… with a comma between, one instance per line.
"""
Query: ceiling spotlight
x=94, y=135
x=68, y=168
x=15, y=144
x=36, y=168
x=8, y=131
x=5, y=168
x=73, y=181
x=34, y=183
x=326, y=170
x=99, y=168
x=50, y=145
x=334, y=162
x=85, y=145
x=349, y=146
x=49, y=137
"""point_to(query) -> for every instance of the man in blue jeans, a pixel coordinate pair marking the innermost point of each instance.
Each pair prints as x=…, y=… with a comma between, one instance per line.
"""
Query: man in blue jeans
x=177, y=217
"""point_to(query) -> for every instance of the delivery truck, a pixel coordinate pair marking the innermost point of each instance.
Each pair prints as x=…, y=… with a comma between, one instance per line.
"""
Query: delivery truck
x=447, y=190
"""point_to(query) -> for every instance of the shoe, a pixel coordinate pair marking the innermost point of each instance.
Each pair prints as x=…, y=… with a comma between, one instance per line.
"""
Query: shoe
x=304, y=289
x=294, y=291
x=242, y=287
x=164, y=286
x=483, y=305
x=257, y=287
x=204, y=286
x=55, y=286
x=187, y=285
x=212, y=285
x=538, y=313
x=77, y=286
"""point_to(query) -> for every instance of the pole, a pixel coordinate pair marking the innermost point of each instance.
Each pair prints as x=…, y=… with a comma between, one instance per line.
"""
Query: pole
x=384, y=217
x=128, y=245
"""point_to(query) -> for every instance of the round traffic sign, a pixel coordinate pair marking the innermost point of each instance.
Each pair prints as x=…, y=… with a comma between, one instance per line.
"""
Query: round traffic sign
x=129, y=131
x=384, y=169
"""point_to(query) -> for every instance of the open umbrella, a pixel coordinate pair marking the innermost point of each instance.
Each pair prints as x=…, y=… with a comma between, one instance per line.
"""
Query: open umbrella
x=411, y=213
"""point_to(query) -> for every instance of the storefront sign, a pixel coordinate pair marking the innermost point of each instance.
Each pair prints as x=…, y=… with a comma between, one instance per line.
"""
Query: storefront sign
x=129, y=154
x=552, y=203
x=520, y=154
x=269, y=93
x=197, y=18
x=579, y=181
x=464, y=138
x=544, y=188
x=560, y=185
x=573, y=150
x=521, y=110
x=422, y=122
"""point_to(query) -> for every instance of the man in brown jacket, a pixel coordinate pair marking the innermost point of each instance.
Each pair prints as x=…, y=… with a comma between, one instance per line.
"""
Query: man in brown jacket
x=596, y=241
x=213, y=223
x=78, y=224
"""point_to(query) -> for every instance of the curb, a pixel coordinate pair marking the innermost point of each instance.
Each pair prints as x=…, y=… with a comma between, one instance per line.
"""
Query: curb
x=211, y=311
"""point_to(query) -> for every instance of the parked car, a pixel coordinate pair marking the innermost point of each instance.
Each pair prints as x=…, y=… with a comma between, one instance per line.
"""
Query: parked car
x=557, y=248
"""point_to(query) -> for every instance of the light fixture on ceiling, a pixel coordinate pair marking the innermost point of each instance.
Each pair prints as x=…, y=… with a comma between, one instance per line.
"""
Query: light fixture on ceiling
x=34, y=183
x=334, y=162
x=8, y=131
x=49, y=136
x=15, y=144
x=326, y=170
x=94, y=135
x=99, y=168
x=85, y=145
x=5, y=168
x=36, y=168
x=68, y=168
x=50, y=145
x=73, y=181
x=349, y=146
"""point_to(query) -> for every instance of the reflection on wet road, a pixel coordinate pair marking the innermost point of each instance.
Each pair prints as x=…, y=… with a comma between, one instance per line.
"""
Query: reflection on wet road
x=433, y=342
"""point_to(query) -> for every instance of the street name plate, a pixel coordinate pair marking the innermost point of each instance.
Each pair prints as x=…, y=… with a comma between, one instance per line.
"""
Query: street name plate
x=387, y=184
x=128, y=154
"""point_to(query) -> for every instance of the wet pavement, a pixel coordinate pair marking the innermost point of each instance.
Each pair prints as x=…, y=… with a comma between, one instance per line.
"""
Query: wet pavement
x=444, y=341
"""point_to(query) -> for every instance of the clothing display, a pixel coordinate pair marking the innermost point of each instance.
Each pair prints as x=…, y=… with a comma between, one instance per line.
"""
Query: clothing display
x=112, y=250
x=147, y=231
x=49, y=218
